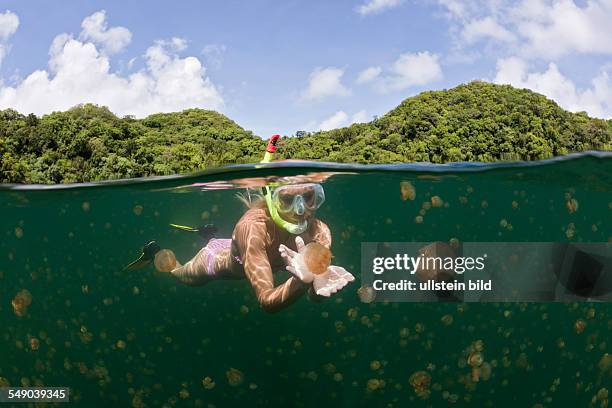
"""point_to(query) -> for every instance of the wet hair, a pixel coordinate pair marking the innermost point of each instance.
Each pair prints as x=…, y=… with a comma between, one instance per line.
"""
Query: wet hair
x=252, y=200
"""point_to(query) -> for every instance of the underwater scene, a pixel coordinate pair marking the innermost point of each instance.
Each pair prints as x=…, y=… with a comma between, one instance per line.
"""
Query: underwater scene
x=72, y=316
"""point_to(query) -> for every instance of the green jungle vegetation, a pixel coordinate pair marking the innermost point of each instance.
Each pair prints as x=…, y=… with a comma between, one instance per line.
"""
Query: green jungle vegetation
x=478, y=121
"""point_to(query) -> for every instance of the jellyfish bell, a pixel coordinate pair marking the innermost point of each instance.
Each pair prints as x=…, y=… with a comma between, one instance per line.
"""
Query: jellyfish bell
x=366, y=294
x=234, y=376
x=316, y=257
x=165, y=260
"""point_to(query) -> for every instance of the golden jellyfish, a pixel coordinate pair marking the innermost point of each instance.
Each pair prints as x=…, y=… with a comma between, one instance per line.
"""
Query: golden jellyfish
x=427, y=271
x=21, y=302
x=572, y=205
x=407, y=191
x=375, y=365
x=420, y=381
x=475, y=359
x=366, y=294
x=602, y=396
x=447, y=320
x=234, y=376
x=137, y=209
x=580, y=325
x=605, y=364
x=373, y=384
x=208, y=383
x=454, y=243
x=165, y=261
x=34, y=343
x=316, y=257
x=436, y=201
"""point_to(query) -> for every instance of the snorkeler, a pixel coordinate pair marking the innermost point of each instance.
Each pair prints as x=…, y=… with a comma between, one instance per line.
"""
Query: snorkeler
x=271, y=235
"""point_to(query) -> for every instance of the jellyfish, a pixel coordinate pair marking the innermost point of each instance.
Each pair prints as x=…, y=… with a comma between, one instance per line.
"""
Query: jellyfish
x=436, y=201
x=580, y=325
x=316, y=257
x=165, y=260
x=605, y=364
x=447, y=319
x=34, y=343
x=366, y=294
x=420, y=381
x=373, y=384
x=234, y=377
x=208, y=383
x=407, y=191
x=572, y=205
x=475, y=359
x=433, y=271
x=21, y=302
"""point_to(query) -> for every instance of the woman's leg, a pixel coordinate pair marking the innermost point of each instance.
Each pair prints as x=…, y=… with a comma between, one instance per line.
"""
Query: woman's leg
x=205, y=266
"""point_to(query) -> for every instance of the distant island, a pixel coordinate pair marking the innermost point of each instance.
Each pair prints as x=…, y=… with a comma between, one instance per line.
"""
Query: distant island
x=478, y=121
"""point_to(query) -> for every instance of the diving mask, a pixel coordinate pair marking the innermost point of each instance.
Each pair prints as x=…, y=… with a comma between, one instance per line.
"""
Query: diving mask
x=298, y=198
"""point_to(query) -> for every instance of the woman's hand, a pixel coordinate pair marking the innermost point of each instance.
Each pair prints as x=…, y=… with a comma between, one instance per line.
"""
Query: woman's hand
x=290, y=257
x=331, y=281
x=325, y=284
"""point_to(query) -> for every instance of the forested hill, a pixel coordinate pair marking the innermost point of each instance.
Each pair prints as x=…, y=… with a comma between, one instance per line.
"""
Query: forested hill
x=89, y=143
x=478, y=121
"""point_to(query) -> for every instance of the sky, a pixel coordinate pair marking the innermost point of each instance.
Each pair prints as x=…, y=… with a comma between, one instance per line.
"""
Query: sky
x=285, y=66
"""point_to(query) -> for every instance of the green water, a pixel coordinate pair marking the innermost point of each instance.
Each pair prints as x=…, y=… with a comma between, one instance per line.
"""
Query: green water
x=143, y=339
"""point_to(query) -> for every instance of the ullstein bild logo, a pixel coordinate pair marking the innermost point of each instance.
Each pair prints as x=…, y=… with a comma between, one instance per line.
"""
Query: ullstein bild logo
x=487, y=271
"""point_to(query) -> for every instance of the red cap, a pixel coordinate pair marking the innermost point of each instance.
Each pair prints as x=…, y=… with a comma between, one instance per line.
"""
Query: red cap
x=272, y=143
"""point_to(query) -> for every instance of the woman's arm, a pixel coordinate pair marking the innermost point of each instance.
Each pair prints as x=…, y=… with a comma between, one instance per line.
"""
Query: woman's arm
x=250, y=240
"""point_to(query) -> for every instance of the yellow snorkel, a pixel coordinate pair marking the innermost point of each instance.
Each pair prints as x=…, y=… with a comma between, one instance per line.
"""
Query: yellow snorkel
x=290, y=227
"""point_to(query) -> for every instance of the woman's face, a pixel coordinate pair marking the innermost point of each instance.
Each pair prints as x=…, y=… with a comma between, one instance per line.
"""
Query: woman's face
x=298, y=203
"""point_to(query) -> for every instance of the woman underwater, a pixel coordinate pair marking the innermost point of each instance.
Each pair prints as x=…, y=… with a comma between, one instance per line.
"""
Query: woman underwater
x=271, y=235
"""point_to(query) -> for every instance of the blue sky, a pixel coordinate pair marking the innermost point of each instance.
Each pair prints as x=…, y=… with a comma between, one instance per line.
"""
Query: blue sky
x=283, y=66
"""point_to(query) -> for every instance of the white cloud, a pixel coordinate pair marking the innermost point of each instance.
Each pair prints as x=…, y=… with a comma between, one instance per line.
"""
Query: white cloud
x=563, y=27
x=595, y=100
x=535, y=29
x=111, y=40
x=485, y=28
x=455, y=8
x=368, y=74
x=338, y=119
x=341, y=119
x=411, y=69
x=377, y=6
x=325, y=82
x=79, y=73
x=360, y=117
x=9, y=22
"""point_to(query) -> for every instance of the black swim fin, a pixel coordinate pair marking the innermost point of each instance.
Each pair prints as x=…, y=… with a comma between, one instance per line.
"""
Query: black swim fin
x=147, y=254
x=205, y=231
